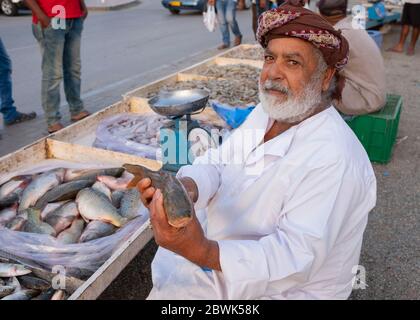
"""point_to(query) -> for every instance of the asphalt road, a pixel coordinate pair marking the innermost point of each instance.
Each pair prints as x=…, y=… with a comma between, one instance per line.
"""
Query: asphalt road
x=119, y=50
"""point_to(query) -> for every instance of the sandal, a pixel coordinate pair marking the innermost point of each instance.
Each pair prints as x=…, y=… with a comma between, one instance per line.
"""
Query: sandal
x=21, y=117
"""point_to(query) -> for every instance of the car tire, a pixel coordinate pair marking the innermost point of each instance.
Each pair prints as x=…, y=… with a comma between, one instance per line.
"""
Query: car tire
x=8, y=7
x=174, y=11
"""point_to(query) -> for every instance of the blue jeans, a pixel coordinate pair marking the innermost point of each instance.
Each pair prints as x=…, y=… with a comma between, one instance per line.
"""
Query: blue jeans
x=60, y=50
x=7, y=104
x=226, y=11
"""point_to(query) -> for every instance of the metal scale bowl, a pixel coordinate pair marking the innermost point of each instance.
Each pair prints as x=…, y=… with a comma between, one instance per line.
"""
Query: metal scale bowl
x=179, y=139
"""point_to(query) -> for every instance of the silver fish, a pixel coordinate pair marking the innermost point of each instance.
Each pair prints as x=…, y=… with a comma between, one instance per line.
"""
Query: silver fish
x=65, y=191
x=95, y=230
x=117, y=183
x=63, y=216
x=9, y=200
x=12, y=186
x=36, y=225
x=116, y=197
x=72, y=234
x=17, y=223
x=6, y=290
x=25, y=294
x=39, y=186
x=31, y=282
x=91, y=174
x=103, y=189
x=130, y=203
x=93, y=206
x=46, y=295
x=8, y=214
x=12, y=270
x=50, y=208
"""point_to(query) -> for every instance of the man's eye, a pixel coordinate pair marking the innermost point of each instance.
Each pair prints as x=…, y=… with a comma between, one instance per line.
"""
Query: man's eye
x=293, y=62
x=268, y=58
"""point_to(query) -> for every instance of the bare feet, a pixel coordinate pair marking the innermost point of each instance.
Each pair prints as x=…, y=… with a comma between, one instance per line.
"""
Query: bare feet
x=397, y=49
x=410, y=51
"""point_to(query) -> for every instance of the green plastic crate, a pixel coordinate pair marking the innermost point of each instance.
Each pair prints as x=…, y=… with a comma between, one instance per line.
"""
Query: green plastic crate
x=377, y=131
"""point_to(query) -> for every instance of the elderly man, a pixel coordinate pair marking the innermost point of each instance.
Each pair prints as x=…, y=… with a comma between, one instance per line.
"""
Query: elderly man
x=282, y=205
x=364, y=90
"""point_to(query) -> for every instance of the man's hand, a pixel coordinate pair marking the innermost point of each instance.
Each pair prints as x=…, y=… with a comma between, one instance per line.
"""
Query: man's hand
x=147, y=191
x=189, y=241
x=211, y=2
x=45, y=21
x=262, y=4
x=42, y=17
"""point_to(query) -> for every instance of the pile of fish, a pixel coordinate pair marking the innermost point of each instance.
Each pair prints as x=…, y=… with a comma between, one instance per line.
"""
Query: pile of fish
x=234, y=92
x=142, y=129
x=18, y=282
x=248, y=53
x=72, y=205
x=139, y=134
x=241, y=72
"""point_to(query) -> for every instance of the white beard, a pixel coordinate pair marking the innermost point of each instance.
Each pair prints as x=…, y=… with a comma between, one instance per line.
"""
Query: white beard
x=294, y=109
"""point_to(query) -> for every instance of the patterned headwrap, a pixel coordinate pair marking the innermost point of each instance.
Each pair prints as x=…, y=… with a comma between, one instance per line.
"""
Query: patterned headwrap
x=292, y=20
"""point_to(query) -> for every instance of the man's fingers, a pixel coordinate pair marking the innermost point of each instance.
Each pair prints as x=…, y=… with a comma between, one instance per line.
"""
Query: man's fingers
x=147, y=195
x=144, y=184
x=158, y=209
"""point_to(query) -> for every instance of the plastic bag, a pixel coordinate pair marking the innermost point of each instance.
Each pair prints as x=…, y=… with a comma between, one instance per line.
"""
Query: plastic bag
x=121, y=133
x=234, y=116
x=80, y=260
x=210, y=19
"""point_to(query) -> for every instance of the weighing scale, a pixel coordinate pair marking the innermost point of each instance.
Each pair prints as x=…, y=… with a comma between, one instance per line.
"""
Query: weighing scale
x=182, y=139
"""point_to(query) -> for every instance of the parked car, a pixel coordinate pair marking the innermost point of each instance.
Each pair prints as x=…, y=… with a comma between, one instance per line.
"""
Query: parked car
x=11, y=7
x=175, y=7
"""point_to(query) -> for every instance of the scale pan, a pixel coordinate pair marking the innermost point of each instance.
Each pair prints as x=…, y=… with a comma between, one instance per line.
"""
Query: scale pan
x=179, y=102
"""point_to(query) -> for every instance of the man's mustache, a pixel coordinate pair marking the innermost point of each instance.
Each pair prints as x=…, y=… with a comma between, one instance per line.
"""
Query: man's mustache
x=272, y=85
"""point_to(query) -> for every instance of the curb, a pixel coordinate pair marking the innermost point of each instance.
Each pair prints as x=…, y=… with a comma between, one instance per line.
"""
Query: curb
x=115, y=7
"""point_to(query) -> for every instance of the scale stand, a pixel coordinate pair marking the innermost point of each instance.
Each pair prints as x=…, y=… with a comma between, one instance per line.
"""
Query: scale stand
x=181, y=137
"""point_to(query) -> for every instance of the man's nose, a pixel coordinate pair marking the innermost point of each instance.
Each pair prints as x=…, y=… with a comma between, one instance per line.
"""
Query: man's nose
x=275, y=73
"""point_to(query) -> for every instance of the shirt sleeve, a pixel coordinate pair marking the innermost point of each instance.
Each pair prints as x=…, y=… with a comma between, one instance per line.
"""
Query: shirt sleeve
x=207, y=179
x=306, y=230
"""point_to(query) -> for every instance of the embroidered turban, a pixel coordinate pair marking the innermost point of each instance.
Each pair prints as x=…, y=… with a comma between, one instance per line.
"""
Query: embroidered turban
x=292, y=20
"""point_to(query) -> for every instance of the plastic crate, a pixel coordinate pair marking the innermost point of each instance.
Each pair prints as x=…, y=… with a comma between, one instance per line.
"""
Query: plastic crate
x=377, y=131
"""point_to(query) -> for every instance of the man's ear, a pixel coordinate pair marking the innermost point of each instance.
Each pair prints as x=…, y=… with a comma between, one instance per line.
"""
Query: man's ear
x=329, y=74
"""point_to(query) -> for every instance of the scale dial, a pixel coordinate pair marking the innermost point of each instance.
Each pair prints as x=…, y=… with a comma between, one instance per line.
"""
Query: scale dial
x=199, y=141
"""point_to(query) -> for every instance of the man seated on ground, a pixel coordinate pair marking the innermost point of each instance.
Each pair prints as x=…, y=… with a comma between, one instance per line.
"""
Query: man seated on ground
x=281, y=215
x=364, y=88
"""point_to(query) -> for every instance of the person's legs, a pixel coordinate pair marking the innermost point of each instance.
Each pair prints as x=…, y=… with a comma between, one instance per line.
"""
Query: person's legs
x=221, y=14
x=414, y=37
x=72, y=66
x=231, y=20
x=7, y=104
x=405, y=29
x=415, y=22
x=51, y=42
